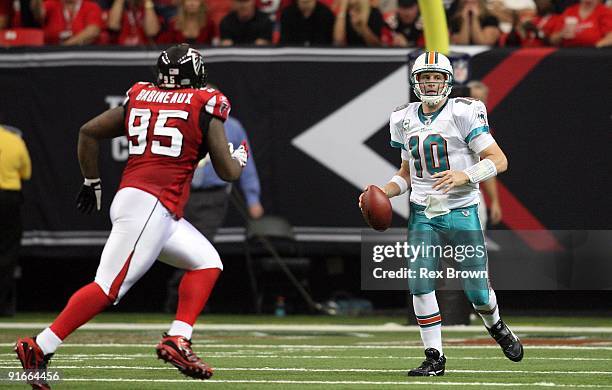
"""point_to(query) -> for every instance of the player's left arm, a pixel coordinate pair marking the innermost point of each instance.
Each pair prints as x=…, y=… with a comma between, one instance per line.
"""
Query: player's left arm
x=471, y=117
x=109, y=124
x=492, y=162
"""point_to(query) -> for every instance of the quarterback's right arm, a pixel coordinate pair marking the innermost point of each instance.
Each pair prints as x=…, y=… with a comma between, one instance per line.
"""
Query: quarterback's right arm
x=399, y=183
x=395, y=186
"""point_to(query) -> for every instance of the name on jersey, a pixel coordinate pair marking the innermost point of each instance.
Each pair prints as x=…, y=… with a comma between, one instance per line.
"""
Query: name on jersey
x=164, y=97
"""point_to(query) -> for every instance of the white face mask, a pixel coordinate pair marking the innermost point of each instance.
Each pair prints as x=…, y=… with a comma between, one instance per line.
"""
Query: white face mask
x=442, y=91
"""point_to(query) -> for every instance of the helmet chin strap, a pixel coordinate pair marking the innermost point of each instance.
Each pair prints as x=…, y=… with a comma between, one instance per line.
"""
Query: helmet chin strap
x=431, y=100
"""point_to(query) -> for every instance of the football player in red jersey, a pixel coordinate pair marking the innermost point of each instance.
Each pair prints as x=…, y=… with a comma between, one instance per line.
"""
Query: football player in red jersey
x=170, y=126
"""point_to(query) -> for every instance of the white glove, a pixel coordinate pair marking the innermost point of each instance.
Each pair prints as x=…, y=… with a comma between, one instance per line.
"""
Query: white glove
x=241, y=154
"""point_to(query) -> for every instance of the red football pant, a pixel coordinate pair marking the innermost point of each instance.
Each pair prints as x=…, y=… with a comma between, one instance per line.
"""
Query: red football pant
x=193, y=293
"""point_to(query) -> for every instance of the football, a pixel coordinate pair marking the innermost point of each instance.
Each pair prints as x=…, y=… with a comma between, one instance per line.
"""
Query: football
x=376, y=208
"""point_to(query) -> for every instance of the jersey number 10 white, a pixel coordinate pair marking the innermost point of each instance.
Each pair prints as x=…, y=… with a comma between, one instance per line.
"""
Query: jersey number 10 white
x=160, y=129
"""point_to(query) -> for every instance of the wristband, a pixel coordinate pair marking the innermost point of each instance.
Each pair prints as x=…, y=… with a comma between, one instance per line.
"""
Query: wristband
x=481, y=171
x=401, y=183
x=89, y=182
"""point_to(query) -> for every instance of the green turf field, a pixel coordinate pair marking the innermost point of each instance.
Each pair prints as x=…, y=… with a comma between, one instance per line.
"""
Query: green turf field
x=562, y=353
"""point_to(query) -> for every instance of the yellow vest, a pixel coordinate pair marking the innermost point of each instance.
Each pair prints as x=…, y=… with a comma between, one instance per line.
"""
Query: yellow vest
x=15, y=164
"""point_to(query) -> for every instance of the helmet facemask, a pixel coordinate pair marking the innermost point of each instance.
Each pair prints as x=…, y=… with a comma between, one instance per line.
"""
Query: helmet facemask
x=432, y=92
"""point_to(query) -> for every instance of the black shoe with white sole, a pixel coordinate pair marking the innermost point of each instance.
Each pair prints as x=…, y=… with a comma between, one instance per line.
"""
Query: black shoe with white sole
x=432, y=366
x=509, y=343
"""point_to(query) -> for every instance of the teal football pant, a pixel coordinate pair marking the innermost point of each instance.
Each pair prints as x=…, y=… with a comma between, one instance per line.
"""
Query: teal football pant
x=456, y=231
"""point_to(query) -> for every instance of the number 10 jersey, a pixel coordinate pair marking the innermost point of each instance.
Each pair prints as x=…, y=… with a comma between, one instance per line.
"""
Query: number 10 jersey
x=165, y=130
x=449, y=138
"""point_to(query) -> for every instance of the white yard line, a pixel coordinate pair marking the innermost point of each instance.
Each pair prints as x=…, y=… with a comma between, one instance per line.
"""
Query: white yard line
x=388, y=327
x=67, y=358
x=299, y=369
x=63, y=359
x=289, y=347
x=365, y=383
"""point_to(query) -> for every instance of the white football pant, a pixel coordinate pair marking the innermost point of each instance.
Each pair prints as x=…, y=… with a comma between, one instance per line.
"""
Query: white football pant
x=143, y=231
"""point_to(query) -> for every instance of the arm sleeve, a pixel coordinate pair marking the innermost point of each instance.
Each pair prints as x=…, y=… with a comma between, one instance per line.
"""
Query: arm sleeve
x=474, y=125
x=25, y=170
x=219, y=106
x=397, y=139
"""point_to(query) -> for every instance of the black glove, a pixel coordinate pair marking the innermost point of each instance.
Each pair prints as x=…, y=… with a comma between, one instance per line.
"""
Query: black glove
x=90, y=196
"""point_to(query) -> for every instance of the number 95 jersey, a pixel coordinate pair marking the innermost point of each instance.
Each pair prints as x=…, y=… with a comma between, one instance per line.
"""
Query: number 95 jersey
x=165, y=131
x=450, y=138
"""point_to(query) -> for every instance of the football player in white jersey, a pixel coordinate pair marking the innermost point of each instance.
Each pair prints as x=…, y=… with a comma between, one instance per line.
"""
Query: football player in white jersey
x=446, y=150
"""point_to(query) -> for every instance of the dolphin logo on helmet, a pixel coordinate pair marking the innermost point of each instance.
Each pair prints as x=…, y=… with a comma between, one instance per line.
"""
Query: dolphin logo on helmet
x=432, y=61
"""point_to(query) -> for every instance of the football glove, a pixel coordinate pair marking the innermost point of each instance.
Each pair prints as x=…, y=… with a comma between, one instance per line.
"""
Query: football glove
x=90, y=196
x=241, y=154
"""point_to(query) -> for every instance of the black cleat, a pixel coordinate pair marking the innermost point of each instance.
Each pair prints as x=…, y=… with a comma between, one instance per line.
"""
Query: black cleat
x=432, y=366
x=509, y=343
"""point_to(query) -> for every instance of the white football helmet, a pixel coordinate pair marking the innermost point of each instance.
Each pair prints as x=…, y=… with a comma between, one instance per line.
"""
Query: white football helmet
x=432, y=61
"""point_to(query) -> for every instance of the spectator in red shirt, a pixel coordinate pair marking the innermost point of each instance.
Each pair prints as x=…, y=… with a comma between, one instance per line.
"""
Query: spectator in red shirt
x=191, y=25
x=68, y=22
x=133, y=21
x=588, y=23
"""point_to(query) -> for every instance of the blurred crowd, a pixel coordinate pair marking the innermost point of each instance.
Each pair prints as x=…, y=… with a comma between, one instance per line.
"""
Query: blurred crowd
x=391, y=23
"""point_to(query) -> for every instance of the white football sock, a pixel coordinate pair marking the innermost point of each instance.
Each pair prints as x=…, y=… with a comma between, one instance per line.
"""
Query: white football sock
x=180, y=328
x=48, y=341
x=489, y=312
x=429, y=320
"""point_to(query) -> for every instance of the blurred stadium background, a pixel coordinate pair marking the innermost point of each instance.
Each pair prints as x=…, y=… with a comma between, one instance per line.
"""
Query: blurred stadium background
x=317, y=119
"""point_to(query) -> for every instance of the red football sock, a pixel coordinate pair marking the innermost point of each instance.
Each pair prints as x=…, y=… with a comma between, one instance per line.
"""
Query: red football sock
x=193, y=292
x=84, y=305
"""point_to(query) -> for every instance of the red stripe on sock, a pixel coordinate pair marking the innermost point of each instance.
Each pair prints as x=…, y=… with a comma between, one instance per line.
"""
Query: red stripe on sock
x=114, y=290
x=429, y=320
x=84, y=305
x=193, y=293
